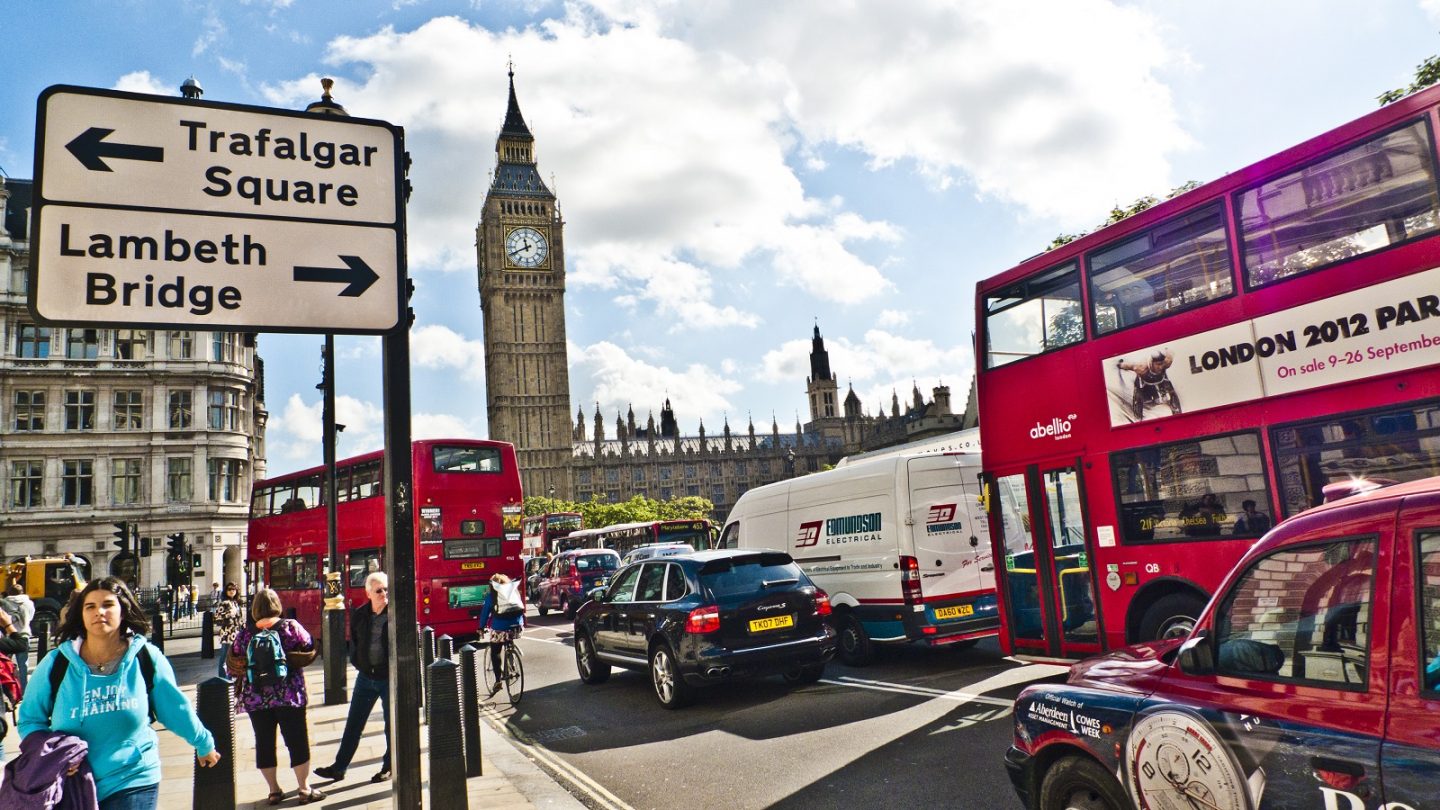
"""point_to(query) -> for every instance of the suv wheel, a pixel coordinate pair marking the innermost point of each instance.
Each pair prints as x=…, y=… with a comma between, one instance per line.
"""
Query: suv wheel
x=592, y=669
x=799, y=676
x=855, y=647
x=670, y=687
x=1080, y=783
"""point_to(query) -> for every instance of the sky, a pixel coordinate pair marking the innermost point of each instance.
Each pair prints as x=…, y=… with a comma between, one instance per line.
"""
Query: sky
x=734, y=172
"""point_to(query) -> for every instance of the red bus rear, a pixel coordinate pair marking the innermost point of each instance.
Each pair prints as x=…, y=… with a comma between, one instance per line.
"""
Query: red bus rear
x=541, y=531
x=467, y=527
x=1153, y=396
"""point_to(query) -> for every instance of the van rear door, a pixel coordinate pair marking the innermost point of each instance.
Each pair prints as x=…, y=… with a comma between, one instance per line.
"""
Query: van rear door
x=950, y=537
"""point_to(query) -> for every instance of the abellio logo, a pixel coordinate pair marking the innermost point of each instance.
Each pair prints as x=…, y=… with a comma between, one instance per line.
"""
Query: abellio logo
x=1057, y=429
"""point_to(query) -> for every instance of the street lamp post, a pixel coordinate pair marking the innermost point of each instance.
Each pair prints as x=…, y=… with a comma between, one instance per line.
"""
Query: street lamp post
x=790, y=462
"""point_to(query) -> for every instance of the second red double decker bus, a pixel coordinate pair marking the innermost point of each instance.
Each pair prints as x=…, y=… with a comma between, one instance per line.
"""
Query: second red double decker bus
x=467, y=509
x=1155, y=395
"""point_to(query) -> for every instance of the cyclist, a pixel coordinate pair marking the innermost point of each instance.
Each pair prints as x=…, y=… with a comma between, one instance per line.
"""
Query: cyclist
x=1151, y=377
x=505, y=623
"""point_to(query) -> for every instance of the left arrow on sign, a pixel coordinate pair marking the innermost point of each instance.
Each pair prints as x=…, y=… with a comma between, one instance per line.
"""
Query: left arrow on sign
x=90, y=149
x=356, y=273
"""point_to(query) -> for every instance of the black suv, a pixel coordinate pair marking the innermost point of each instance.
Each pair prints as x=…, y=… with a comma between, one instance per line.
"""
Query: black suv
x=704, y=618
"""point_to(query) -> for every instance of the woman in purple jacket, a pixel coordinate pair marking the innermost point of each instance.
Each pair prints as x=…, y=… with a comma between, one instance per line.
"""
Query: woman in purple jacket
x=272, y=690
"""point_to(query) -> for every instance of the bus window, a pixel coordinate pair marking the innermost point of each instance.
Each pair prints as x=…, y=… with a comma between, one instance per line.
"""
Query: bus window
x=260, y=502
x=1033, y=316
x=1180, y=263
x=298, y=572
x=1365, y=198
x=342, y=485
x=466, y=459
x=1429, y=559
x=365, y=480
x=362, y=563
x=1189, y=490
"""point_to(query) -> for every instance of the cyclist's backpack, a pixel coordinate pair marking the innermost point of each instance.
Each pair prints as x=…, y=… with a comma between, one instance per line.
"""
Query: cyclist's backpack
x=265, y=659
x=147, y=672
x=507, y=601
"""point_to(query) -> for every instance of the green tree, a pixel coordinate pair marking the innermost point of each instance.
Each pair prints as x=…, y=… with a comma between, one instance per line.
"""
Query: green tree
x=1426, y=74
x=598, y=514
x=1122, y=212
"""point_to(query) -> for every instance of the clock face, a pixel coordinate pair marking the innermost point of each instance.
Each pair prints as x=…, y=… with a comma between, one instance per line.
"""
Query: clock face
x=526, y=247
x=1177, y=762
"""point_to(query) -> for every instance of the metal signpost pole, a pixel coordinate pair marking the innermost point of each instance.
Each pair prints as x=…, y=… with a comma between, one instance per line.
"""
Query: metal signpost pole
x=335, y=603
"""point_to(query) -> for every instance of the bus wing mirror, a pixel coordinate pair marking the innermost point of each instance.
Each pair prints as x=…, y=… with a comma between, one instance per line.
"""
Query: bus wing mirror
x=1197, y=654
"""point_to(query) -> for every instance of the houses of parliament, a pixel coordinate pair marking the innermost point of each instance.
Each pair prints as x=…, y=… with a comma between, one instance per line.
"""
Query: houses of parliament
x=520, y=253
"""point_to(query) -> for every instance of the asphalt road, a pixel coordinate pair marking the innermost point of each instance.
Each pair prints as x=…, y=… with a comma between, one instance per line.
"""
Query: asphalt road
x=919, y=726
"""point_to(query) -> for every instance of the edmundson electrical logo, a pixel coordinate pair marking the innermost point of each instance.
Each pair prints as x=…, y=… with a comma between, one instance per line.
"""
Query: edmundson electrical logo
x=941, y=520
x=839, y=530
x=808, y=535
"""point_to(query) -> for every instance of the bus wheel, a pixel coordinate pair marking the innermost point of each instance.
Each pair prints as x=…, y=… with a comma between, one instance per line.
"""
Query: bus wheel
x=856, y=650
x=1079, y=783
x=1172, y=616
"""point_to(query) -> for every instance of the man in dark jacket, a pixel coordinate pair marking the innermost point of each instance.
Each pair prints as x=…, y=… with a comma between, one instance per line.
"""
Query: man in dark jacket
x=370, y=653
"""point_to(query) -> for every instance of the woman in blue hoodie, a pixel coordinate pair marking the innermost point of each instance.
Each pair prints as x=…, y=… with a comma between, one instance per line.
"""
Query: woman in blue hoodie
x=102, y=698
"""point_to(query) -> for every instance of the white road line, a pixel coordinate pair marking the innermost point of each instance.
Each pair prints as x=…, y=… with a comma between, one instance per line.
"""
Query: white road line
x=558, y=766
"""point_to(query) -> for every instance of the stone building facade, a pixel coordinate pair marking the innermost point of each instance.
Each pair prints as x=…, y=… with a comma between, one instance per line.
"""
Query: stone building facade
x=159, y=428
x=520, y=254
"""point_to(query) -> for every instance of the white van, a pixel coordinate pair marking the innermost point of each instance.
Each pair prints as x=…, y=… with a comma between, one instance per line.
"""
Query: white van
x=900, y=543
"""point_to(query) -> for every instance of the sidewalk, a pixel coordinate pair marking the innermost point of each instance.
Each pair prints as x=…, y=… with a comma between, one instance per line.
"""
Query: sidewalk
x=511, y=780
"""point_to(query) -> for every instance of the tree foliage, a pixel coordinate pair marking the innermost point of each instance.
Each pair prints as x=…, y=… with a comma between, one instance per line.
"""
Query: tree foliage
x=1426, y=74
x=1122, y=212
x=598, y=514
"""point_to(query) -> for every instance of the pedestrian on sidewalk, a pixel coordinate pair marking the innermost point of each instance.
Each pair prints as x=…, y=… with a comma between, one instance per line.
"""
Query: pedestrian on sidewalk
x=106, y=681
x=13, y=643
x=503, y=615
x=229, y=615
x=370, y=653
x=268, y=658
x=215, y=596
x=22, y=611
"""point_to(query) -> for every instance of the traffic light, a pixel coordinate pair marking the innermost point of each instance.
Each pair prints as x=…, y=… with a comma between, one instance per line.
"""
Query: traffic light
x=144, y=547
x=122, y=536
x=176, y=544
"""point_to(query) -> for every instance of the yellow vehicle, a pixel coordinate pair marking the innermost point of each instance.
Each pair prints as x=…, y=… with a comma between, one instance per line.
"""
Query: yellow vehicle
x=48, y=581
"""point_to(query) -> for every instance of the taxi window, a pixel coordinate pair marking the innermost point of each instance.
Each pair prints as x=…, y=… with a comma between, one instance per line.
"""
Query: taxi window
x=1430, y=607
x=1301, y=615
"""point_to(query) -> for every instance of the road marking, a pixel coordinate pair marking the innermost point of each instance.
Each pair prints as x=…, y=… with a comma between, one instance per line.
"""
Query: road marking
x=559, y=767
x=972, y=693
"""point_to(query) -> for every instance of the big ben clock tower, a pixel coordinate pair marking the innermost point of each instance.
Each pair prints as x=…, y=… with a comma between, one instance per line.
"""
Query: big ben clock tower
x=521, y=258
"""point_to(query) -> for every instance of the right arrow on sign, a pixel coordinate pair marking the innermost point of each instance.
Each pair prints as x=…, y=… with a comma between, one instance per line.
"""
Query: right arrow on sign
x=357, y=274
x=90, y=149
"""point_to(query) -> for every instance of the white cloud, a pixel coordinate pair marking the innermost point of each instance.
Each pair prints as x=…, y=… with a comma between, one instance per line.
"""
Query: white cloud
x=141, y=81
x=445, y=426
x=440, y=347
x=293, y=434
x=620, y=381
x=892, y=317
x=1431, y=9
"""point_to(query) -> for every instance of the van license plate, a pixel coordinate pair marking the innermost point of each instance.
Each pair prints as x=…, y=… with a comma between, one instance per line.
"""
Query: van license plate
x=772, y=623
x=954, y=612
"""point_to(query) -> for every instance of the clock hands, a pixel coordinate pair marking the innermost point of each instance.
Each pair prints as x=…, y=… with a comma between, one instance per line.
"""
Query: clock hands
x=1186, y=791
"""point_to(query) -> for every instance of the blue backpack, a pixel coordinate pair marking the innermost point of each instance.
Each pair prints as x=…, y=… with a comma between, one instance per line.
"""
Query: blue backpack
x=265, y=659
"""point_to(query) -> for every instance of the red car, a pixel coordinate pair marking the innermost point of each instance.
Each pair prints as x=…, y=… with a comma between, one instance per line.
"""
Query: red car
x=1311, y=681
x=567, y=580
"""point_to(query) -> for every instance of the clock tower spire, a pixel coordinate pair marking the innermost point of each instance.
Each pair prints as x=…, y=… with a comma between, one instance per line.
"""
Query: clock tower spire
x=520, y=256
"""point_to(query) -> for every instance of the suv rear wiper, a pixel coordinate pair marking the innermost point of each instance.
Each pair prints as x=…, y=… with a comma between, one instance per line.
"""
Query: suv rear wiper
x=767, y=583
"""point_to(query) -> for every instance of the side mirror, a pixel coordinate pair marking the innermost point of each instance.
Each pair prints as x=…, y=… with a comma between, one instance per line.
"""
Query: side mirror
x=1197, y=654
x=597, y=594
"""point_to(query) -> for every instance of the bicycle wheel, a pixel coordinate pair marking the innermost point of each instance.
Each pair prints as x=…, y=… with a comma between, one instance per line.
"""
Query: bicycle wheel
x=514, y=673
x=487, y=674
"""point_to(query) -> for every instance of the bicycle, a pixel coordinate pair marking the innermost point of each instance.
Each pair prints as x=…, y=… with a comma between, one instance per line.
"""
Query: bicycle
x=512, y=667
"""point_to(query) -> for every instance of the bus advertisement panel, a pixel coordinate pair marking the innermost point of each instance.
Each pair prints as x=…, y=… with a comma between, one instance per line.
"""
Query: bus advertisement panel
x=1155, y=395
x=467, y=491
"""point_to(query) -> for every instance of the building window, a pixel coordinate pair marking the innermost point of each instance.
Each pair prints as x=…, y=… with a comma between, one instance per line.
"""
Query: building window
x=125, y=480
x=79, y=410
x=19, y=284
x=129, y=412
x=29, y=410
x=224, y=409
x=182, y=345
x=77, y=482
x=665, y=475
x=224, y=480
x=638, y=475
x=26, y=483
x=33, y=341
x=180, y=410
x=132, y=344
x=82, y=344
x=224, y=346
x=177, y=480
x=612, y=476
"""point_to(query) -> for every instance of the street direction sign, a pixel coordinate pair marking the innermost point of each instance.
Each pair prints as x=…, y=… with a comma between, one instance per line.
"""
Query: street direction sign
x=160, y=211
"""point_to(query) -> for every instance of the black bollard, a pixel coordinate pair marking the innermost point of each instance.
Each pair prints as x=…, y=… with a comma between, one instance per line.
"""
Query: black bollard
x=447, y=740
x=470, y=708
x=427, y=657
x=207, y=635
x=214, y=787
x=420, y=656
x=42, y=640
x=157, y=629
x=445, y=648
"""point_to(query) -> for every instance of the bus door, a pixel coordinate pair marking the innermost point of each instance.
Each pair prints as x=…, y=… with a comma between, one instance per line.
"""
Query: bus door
x=1047, y=595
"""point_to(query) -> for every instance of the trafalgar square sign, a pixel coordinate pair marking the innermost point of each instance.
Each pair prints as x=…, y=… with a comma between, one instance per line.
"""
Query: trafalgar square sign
x=159, y=211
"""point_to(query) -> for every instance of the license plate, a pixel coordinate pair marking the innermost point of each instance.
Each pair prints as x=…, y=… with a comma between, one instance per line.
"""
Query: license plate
x=772, y=623
x=954, y=612
x=472, y=566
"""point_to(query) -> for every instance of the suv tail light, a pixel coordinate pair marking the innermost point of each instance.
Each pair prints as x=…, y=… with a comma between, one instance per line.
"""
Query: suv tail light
x=910, y=580
x=703, y=620
x=822, y=603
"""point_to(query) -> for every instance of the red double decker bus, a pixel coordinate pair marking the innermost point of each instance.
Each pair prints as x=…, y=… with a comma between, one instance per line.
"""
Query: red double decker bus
x=467, y=526
x=539, y=532
x=1155, y=395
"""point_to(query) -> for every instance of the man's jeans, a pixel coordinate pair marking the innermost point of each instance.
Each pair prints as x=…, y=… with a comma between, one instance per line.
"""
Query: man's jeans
x=362, y=702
